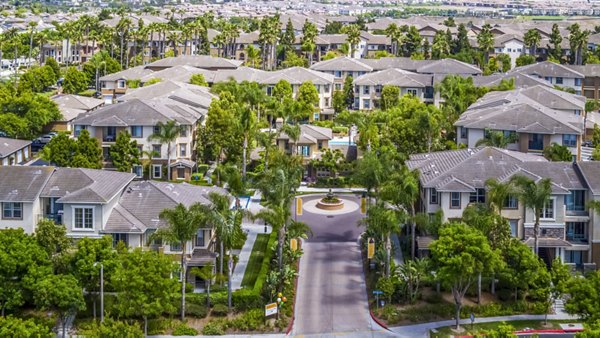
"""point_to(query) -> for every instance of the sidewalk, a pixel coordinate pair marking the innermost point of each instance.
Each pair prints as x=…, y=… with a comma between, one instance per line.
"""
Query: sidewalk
x=422, y=330
x=303, y=188
x=398, y=256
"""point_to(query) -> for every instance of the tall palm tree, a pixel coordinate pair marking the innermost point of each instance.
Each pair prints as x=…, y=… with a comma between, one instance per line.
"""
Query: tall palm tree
x=534, y=195
x=32, y=25
x=182, y=226
x=496, y=139
x=123, y=28
x=485, y=41
x=383, y=221
x=532, y=40
x=267, y=141
x=167, y=134
x=395, y=34
x=147, y=156
x=247, y=122
x=252, y=56
x=309, y=34
x=497, y=193
x=353, y=37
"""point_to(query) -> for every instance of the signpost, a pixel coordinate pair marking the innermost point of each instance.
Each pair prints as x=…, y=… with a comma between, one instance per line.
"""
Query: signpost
x=377, y=293
x=270, y=309
x=371, y=248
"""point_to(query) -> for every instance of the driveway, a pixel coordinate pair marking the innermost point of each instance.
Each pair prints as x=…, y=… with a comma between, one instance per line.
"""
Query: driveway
x=332, y=296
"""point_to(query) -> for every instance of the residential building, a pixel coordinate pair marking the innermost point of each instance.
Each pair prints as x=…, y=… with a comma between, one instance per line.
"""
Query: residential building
x=70, y=107
x=311, y=142
x=452, y=180
x=555, y=74
x=198, y=61
x=511, y=45
x=533, y=117
x=116, y=84
x=14, y=151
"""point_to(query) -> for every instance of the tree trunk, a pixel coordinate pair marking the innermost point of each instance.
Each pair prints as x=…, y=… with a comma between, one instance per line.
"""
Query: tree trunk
x=221, y=262
x=145, y=326
x=3, y=312
x=493, y=287
x=479, y=289
x=536, y=231
x=413, y=234
x=229, y=284
x=30, y=48
x=64, y=327
x=457, y=314
x=388, y=249
x=244, y=160
x=169, y=161
x=183, y=273
x=208, y=282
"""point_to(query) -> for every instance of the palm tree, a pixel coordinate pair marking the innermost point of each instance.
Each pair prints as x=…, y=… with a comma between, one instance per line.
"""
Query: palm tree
x=353, y=37
x=246, y=124
x=167, y=134
x=496, y=139
x=252, y=56
x=532, y=40
x=147, y=156
x=497, y=193
x=485, y=41
x=309, y=34
x=267, y=141
x=293, y=132
x=182, y=225
x=207, y=273
x=534, y=195
x=32, y=25
x=383, y=221
x=395, y=34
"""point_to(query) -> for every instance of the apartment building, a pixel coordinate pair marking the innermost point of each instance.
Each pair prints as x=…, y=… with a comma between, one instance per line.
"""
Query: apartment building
x=452, y=180
x=311, y=142
x=555, y=74
x=14, y=151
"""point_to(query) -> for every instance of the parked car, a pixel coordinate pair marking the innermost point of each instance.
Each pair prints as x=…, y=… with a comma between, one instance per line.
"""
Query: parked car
x=587, y=144
x=44, y=139
x=37, y=145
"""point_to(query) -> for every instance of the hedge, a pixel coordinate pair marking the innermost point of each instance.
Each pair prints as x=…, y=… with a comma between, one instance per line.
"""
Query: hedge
x=266, y=265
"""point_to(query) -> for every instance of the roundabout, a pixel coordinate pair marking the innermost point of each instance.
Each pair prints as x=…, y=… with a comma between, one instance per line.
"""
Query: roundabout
x=315, y=206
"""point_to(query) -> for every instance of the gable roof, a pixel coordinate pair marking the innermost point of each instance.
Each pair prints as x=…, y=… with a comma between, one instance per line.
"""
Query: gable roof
x=198, y=61
x=9, y=145
x=21, y=183
x=548, y=68
x=79, y=185
x=132, y=73
x=310, y=134
x=590, y=172
x=521, y=80
x=297, y=76
x=342, y=63
x=394, y=77
x=71, y=106
x=186, y=93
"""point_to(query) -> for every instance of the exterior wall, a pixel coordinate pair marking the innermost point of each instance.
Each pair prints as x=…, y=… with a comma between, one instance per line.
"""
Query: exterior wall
x=29, y=220
x=373, y=96
x=68, y=220
x=23, y=154
x=473, y=136
x=512, y=48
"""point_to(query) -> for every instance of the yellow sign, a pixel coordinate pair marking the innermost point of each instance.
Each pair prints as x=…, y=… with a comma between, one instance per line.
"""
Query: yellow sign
x=371, y=248
x=270, y=309
x=293, y=244
x=363, y=205
x=298, y=206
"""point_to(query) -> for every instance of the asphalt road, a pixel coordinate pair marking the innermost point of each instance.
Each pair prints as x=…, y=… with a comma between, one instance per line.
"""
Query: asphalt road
x=332, y=298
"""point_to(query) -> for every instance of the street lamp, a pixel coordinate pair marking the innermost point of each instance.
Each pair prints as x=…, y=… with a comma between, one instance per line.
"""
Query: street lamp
x=101, y=290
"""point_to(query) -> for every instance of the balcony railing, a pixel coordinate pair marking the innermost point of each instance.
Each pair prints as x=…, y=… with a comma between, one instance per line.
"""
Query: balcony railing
x=108, y=138
x=56, y=218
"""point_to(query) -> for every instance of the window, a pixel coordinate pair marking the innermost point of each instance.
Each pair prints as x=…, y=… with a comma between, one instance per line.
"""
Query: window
x=366, y=90
x=326, y=102
x=338, y=86
x=78, y=129
x=464, y=132
x=478, y=196
x=304, y=151
x=454, y=200
x=575, y=200
x=137, y=131
x=514, y=229
x=366, y=104
x=121, y=84
x=548, y=78
x=175, y=246
x=559, y=80
x=120, y=238
x=511, y=202
x=577, y=112
x=156, y=148
x=433, y=196
x=576, y=231
x=320, y=145
x=181, y=173
x=548, y=210
x=574, y=256
x=412, y=92
x=83, y=218
x=578, y=82
x=183, y=150
x=200, y=238
x=338, y=73
x=378, y=89
x=327, y=88
x=318, y=88
x=570, y=140
x=156, y=130
x=138, y=170
x=11, y=210
x=156, y=171
x=183, y=131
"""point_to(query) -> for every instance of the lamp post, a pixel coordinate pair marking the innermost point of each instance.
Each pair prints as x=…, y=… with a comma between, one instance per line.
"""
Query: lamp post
x=101, y=291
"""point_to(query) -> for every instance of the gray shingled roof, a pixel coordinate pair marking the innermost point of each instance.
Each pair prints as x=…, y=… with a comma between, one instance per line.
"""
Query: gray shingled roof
x=186, y=93
x=133, y=73
x=590, y=172
x=78, y=185
x=395, y=77
x=71, y=106
x=22, y=184
x=181, y=73
x=198, y=61
x=10, y=145
x=310, y=134
x=521, y=80
x=548, y=68
x=342, y=63
x=297, y=76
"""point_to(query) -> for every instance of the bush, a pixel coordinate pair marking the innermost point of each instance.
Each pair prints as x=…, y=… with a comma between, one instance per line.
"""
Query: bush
x=184, y=330
x=264, y=269
x=250, y=321
x=158, y=326
x=218, y=298
x=213, y=328
x=196, y=311
x=245, y=299
x=504, y=294
x=202, y=168
x=390, y=314
x=340, y=130
x=220, y=310
x=434, y=298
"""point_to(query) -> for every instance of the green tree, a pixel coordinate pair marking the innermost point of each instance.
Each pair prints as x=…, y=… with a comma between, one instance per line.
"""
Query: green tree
x=182, y=226
x=412, y=41
x=59, y=151
x=535, y=196
x=17, y=327
x=124, y=153
x=333, y=27
x=309, y=34
x=207, y=272
x=496, y=138
x=252, y=56
x=167, y=134
x=51, y=62
x=485, y=41
x=88, y=153
x=293, y=60
x=524, y=60
x=199, y=80
x=348, y=91
x=584, y=297
x=558, y=153
x=441, y=46
x=53, y=239
x=395, y=34
x=307, y=99
x=460, y=254
x=497, y=193
x=505, y=62
x=578, y=41
x=288, y=38
x=532, y=40
x=61, y=294
x=522, y=267
x=461, y=44
x=555, y=40
x=339, y=102
x=352, y=32
x=25, y=114
x=74, y=81
x=370, y=172
x=390, y=97
x=383, y=222
x=37, y=79
x=111, y=328
x=144, y=285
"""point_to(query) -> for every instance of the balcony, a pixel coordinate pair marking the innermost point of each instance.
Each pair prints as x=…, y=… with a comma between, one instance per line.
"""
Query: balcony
x=109, y=138
x=57, y=218
x=536, y=145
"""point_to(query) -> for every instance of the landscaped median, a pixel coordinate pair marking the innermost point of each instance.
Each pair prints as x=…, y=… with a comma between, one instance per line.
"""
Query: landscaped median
x=502, y=329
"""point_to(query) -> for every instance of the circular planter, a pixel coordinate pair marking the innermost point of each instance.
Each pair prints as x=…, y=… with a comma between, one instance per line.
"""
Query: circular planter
x=330, y=206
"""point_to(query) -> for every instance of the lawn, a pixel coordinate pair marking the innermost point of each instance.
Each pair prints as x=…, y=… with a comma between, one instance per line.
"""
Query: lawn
x=256, y=260
x=484, y=327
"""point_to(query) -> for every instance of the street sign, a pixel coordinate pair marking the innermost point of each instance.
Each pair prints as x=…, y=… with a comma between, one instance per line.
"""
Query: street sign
x=371, y=248
x=293, y=244
x=377, y=292
x=298, y=206
x=270, y=309
x=363, y=205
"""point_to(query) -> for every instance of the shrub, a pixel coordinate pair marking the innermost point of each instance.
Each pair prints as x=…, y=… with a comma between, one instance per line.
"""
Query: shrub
x=264, y=269
x=196, y=311
x=434, y=298
x=213, y=328
x=339, y=130
x=218, y=298
x=184, y=330
x=245, y=299
x=249, y=321
x=158, y=326
x=202, y=168
x=220, y=310
x=504, y=294
x=390, y=314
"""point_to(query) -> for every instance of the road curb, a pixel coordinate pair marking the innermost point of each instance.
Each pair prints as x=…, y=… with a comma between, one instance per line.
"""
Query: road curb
x=378, y=321
x=291, y=324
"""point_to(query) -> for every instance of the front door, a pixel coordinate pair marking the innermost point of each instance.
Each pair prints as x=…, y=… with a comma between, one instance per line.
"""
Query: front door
x=200, y=239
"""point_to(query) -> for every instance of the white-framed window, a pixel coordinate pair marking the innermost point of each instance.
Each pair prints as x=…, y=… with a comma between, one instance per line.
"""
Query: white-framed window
x=478, y=196
x=138, y=170
x=156, y=130
x=156, y=171
x=514, y=227
x=433, y=196
x=83, y=217
x=78, y=128
x=570, y=140
x=157, y=149
x=366, y=104
x=174, y=247
x=137, y=131
x=511, y=202
x=182, y=149
x=183, y=131
x=464, y=133
x=121, y=83
x=549, y=211
x=366, y=90
x=12, y=210
x=454, y=200
x=412, y=92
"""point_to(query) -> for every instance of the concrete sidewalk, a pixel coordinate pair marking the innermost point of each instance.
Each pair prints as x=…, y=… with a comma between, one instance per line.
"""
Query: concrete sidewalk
x=398, y=255
x=305, y=189
x=422, y=330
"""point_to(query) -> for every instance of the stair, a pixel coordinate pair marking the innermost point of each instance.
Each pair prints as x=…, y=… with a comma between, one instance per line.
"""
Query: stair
x=586, y=153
